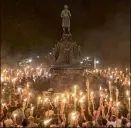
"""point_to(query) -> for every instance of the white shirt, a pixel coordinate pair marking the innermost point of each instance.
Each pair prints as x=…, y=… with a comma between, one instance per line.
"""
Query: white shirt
x=118, y=123
x=8, y=122
x=112, y=123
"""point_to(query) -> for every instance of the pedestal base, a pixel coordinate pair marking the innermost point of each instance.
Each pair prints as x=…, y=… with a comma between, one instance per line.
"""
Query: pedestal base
x=66, y=77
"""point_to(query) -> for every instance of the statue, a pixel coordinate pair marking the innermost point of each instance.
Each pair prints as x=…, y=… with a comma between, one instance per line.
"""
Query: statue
x=65, y=14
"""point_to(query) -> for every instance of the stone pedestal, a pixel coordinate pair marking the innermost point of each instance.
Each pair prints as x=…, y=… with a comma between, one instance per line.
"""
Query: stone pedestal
x=66, y=77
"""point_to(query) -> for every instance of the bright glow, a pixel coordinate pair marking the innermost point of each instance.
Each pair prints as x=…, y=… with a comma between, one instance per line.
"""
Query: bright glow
x=19, y=90
x=73, y=94
x=15, y=115
x=75, y=99
x=46, y=99
x=110, y=99
x=127, y=93
x=91, y=93
x=27, y=85
x=111, y=76
x=32, y=108
x=81, y=100
x=30, y=60
x=13, y=80
x=100, y=88
x=25, y=100
x=118, y=104
x=62, y=95
x=64, y=100
x=2, y=79
x=97, y=61
x=57, y=97
x=81, y=93
x=3, y=104
x=73, y=115
x=47, y=121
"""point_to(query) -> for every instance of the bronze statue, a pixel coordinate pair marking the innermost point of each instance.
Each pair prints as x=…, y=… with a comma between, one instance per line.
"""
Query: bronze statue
x=65, y=14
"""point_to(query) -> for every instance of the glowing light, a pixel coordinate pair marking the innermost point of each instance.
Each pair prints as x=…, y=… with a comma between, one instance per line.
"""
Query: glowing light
x=19, y=90
x=47, y=121
x=73, y=115
x=87, y=58
x=2, y=79
x=100, y=88
x=32, y=108
x=46, y=99
x=127, y=93
x=111, y=76
x=73, y=94
x=30, y=94
x=62, y=95
x=110, y=99
x=25, y=100
x=15, y=115
x=97, y=61
x=64, y=100
x=81, y=93
x=30, y=60
x=3, y=104
x=27, y=85
x=81, y=100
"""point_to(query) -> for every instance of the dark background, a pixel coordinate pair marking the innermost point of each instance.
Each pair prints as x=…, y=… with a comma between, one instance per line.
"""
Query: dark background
x=101, y=27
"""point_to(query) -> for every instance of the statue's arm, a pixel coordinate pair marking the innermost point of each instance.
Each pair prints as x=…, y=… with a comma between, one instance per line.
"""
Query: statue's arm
x=69, y=13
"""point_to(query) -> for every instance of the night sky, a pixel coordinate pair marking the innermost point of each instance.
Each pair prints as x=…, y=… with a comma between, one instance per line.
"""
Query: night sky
x=101, y=27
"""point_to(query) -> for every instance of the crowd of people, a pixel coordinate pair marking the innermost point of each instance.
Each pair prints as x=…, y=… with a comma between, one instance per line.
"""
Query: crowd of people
x=22, y=106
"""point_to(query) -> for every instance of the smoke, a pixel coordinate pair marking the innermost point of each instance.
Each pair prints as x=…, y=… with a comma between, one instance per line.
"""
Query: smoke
x=102, y=28
x=7, y=59
x=112, y=39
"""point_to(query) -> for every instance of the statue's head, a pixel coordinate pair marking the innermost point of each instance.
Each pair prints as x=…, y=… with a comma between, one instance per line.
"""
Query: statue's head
x=65, y=7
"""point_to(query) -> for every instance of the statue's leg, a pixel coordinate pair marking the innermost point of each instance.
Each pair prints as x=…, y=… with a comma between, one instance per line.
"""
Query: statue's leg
x=69, y=30
x=63, y=30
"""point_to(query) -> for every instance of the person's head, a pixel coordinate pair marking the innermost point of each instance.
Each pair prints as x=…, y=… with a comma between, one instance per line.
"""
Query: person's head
x=65, y=7
x=31, y=119
x=99, y=121
x=19, y=105
x=123, y=122
x=104, y=122
x=119, y=115
x=125, y=105
x=25, y=122
x=113, y=118
x=89, y=118
x=90, y=124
